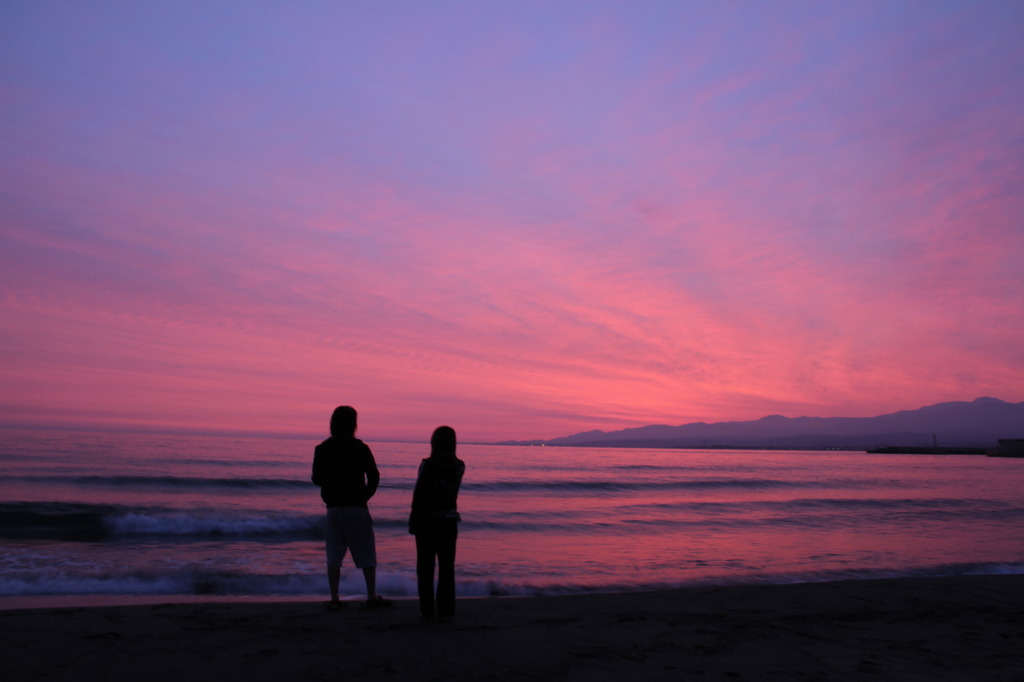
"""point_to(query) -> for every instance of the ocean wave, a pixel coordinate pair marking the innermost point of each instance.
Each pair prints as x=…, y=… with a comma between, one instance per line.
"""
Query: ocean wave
x=165, y=524
x=48, y=581
x=82, y=522
x=91, y=522
x=169, y=482
x=149, y=583
x=801, y=505
x=54, y=520
x=591, y=486
x=555, y=485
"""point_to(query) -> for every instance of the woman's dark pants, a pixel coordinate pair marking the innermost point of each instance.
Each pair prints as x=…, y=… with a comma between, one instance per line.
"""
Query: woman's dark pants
x=436, y=540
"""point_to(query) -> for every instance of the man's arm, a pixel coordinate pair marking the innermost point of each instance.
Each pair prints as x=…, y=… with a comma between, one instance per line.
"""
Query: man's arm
x=317, y=468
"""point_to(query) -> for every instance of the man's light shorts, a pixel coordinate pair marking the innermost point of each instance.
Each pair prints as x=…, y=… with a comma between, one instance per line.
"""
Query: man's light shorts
x=350, y=528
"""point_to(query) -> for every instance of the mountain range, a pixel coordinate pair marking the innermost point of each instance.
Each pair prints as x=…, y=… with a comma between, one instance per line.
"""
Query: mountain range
x=979, y=423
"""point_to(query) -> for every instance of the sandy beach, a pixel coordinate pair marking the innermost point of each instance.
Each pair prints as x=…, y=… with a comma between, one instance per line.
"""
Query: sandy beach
x=957, y=628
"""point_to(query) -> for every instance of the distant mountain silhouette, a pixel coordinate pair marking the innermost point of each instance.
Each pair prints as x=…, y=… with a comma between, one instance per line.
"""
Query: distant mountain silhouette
x=980, y=423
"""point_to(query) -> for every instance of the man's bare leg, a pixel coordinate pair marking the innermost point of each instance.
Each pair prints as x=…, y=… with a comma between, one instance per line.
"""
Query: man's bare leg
x=333, y=579
x=370, y=574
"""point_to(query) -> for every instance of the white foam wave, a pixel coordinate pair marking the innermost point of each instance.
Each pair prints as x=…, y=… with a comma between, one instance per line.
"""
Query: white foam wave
x=403, y=584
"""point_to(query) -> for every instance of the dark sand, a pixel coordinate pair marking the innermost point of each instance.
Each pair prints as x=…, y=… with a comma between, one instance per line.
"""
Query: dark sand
x=962, y=628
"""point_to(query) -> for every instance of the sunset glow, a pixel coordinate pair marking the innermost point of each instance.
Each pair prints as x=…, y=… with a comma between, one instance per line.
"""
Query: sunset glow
x=521, y=219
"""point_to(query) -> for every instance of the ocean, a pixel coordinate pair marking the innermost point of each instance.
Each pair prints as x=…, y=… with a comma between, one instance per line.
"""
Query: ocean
x=118, y=515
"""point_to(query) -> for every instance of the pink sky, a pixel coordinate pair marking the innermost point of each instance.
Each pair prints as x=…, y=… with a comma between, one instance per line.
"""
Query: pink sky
x=520, y=219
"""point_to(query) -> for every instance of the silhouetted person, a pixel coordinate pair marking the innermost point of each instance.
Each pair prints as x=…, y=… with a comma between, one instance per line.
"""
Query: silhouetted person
x=347, y=474
x=434, y=521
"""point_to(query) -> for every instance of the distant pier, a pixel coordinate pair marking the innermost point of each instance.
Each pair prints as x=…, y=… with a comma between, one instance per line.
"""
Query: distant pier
x=1008, y=447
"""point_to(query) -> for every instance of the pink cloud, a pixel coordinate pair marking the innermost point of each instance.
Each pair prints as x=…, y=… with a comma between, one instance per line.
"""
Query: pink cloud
x=599, y=233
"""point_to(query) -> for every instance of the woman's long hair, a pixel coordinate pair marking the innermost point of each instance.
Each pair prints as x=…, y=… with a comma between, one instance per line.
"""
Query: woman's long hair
x=442, y=443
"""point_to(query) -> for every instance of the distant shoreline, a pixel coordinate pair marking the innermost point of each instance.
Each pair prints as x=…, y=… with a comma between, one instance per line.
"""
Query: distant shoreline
x=886, y=450
x=903, y=450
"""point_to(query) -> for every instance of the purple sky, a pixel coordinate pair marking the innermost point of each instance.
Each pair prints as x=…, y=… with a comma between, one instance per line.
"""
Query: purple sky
x=521, y=219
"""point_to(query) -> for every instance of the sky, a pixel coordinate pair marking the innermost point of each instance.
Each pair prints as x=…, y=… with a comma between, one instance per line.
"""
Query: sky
x=521, y=219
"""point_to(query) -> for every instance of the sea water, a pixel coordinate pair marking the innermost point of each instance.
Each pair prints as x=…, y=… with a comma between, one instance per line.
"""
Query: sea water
x=157, y=515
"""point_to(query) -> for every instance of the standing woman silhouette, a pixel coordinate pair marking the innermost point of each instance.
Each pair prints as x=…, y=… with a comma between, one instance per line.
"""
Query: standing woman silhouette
x=434, y=521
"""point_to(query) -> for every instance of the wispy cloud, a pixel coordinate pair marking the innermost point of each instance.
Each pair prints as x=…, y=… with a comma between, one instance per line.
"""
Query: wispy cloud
x=523, y=221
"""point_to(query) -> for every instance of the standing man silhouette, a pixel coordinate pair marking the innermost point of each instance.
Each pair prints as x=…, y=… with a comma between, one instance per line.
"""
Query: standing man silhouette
x=347, y=474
